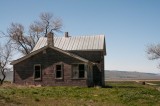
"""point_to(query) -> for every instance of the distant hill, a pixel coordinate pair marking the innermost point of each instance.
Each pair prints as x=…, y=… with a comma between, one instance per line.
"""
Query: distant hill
x=126, y=75
x=112, y=75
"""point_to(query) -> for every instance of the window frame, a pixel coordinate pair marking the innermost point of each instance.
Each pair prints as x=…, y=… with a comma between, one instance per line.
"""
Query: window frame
x=72, y=72
x=59, y=70
x=40, y=78
x=79, y=71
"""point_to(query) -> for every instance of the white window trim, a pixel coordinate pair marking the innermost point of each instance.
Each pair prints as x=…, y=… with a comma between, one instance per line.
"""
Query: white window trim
x=85, y=71
x=40, y=72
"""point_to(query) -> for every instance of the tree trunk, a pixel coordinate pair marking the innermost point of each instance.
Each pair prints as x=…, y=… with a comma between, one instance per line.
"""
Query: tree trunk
x=4, y=76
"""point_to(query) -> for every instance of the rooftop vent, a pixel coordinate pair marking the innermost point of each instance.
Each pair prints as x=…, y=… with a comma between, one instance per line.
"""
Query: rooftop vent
x=66, y=34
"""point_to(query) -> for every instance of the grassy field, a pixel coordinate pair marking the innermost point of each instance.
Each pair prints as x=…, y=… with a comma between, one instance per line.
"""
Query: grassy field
x=115, y=94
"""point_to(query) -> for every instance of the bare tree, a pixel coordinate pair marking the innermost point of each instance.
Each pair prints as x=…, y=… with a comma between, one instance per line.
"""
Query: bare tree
x=5, y=57
x=24, y=42
x=18, y=40
x=154, y=52
x=46, y=24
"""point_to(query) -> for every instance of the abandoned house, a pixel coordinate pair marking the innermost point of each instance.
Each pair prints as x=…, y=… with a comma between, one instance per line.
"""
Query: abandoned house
x=63, y=61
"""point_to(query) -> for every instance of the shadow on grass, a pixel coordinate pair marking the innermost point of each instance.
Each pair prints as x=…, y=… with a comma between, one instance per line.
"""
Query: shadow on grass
x=107, y=86
x=120, y=86
x=125, y=87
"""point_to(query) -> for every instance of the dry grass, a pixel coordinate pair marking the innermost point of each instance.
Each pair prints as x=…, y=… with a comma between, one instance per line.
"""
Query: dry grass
x=116, y=94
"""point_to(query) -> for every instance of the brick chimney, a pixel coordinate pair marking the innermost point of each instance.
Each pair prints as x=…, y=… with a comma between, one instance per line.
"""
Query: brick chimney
x=50, y=39
x=66, y=34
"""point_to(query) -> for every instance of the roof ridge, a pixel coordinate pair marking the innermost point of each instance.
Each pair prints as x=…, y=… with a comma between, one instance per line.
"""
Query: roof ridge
x=76, y=36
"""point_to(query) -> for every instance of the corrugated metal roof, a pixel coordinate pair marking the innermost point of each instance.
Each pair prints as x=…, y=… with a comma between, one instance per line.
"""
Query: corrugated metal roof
x=84, y=43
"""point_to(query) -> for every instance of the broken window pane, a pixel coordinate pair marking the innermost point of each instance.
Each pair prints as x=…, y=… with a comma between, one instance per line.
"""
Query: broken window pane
x=78, y=71
x=37, y=72
x=58, y=71
x=58, y=74
x=58, y=67
x=81, y=71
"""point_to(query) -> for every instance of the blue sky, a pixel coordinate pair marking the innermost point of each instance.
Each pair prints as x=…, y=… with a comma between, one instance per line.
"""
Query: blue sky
x=129, y=25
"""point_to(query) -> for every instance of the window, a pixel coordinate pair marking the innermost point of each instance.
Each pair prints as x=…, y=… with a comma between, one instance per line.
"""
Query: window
x=58, y=71
x=81, y=71
x=78, y=71
x=75, y=71
x=37, y=72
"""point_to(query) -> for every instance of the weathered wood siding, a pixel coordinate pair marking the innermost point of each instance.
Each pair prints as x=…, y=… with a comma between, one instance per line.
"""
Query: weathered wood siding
x=94, y=56
x=24, y=71
x=98, y=70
